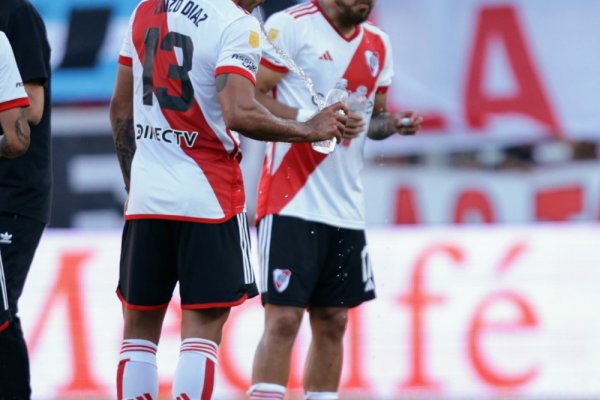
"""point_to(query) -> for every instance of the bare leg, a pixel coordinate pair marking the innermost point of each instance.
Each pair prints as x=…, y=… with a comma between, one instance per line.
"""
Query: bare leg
x=205, y=323
x=323, y=367
x=144, y=325
x=272, y=359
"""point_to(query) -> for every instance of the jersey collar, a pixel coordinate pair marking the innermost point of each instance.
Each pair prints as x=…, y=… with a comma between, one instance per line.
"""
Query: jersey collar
x=357, y=30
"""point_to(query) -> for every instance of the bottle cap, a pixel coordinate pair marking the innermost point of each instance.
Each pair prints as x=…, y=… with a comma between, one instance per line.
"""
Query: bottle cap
x=362, y=89
x=343, y=81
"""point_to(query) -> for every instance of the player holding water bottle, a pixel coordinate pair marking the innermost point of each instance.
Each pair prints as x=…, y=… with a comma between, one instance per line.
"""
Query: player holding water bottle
x=312, y=245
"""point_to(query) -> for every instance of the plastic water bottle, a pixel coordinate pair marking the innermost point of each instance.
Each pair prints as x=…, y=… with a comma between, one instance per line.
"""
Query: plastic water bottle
x=358, y=101
x=335, y=95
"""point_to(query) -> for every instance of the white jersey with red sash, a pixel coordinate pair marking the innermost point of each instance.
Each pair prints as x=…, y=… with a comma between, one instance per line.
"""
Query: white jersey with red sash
x=296, y=180
x=12, y=90
x=186, y=165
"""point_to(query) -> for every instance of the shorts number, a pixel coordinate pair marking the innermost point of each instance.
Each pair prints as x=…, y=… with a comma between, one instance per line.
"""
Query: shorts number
x=178, y=72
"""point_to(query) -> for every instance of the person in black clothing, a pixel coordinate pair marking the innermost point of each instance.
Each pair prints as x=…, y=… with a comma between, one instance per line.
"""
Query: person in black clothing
x=25, y=185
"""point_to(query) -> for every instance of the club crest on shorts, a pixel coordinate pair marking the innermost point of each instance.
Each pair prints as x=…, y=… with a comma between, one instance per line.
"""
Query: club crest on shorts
x=372, y=58
x=281, y=279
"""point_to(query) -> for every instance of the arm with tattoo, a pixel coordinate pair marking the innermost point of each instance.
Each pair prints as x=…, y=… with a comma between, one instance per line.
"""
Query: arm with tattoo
x=381, y=127
x=121, y=120
x=124, y=138
x=384, y=124
x=16, y=139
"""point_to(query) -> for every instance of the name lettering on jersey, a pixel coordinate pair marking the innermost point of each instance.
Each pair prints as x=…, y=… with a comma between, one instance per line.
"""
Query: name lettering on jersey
x=191, y=10
x=167, y=135
x=247, y=62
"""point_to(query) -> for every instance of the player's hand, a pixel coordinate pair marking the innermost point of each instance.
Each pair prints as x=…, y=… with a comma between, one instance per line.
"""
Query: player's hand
x=407, y=122
x=329, y=123
x=354, y=126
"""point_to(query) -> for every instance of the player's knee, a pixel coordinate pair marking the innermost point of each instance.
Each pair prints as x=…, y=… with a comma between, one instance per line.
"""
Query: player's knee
x=329, y=324
x=143, y=324
x=284, y=323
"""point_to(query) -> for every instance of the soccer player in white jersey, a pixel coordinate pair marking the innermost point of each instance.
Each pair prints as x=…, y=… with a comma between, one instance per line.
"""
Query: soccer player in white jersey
x=185, y=84
x=312, y=244
x=14, y=139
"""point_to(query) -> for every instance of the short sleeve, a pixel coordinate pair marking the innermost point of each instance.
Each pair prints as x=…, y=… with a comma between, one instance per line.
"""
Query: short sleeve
x=387, y=73
x=280, y=28
x=240, y=49
x=27, y=34
x=12, y=92
x=126, y=52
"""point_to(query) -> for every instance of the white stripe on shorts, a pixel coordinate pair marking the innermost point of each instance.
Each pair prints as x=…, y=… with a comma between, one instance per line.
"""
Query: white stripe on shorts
x=244, y=244
x=264, y=242
x=248, y=249
x=3, y=285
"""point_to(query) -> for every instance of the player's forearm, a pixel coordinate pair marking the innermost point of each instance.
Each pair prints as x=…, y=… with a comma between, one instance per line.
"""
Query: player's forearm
x=253, y=120
x=276, y=107
x=16, y=139
x=35, y=111
x=381, y=127
x=124, y=138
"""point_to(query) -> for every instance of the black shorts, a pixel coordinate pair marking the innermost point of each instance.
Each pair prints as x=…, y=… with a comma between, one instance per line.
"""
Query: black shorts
x=211, y=262
x=5, y=316
x=19, y=238
x=306, y=263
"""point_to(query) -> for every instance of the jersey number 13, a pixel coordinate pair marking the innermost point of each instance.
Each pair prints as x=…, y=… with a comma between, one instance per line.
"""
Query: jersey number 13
x=178, y=72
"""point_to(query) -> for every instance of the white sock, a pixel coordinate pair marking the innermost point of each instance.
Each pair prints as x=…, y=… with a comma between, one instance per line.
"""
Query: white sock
x=137, y=376
x=266, y=391
x=195, y=375
x=322, y=396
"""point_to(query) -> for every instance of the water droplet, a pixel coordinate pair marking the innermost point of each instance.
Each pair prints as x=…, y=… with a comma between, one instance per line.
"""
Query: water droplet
x=312, y=232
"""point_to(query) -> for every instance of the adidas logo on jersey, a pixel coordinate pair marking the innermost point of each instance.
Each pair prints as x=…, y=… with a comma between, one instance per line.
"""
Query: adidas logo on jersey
x=5, y=238
x=326, y=56
x=370, y=286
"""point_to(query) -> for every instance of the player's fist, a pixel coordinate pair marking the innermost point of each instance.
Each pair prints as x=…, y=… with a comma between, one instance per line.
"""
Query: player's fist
x=407, y=122
x=329, y=122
